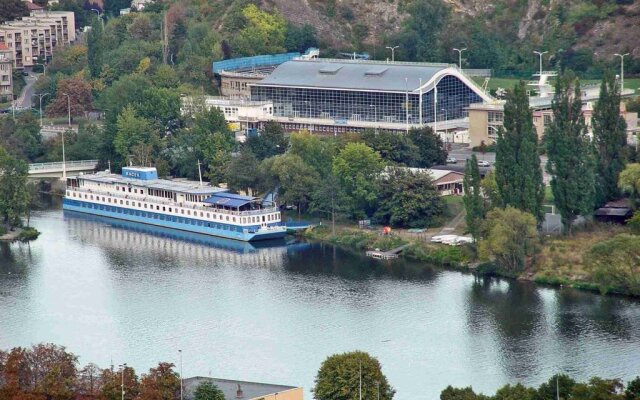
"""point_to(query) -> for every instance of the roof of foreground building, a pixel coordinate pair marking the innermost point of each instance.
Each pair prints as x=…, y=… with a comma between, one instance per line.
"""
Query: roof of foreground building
x=361, y=75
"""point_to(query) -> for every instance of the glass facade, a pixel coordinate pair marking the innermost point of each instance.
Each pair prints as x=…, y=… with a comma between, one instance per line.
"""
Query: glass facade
x=393, y=107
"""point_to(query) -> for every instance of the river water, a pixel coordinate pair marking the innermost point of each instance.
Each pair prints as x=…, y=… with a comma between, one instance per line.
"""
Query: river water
x=115, y=293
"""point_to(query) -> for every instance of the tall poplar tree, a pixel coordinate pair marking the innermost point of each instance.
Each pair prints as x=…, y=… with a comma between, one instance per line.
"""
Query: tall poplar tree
x=571, y=156
x=518, y=173
x=95, y=48
x=610, y=139
x=473, y=200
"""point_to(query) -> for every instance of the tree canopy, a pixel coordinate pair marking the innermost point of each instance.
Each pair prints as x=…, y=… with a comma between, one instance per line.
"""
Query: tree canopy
x=339, y=378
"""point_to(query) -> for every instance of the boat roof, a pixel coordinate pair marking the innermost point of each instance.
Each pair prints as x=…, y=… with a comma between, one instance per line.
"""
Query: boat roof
x=230, y=199
x=181, y=186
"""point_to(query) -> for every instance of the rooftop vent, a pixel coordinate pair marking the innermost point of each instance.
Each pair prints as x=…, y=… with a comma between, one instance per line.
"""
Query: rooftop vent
x=330, y=70
x=376, y=71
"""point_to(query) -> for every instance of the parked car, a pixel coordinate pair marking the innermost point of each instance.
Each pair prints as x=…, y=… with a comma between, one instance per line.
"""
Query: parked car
x=483, y=163
x=452, y=160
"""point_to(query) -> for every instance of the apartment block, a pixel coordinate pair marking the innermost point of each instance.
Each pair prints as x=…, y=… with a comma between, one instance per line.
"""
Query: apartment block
x=34, y=37
x=6, y=77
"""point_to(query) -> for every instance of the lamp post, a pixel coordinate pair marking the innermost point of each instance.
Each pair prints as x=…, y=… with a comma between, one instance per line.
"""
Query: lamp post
x=446, y=133
x=375, y=116
x=44, y=68
x=460, y=56
x=122, y=368
x=41, y=95
x=540, y=54
x=64, y=162
x=393, y=52
x=180, y=351
x=99, y=15
x=622, y=56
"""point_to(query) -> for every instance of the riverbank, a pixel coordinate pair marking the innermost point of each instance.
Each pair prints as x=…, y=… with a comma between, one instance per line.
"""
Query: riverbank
x=559, y=263
x=21, y=234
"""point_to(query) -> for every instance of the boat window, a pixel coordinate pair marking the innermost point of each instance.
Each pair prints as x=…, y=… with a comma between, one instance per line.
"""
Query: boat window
x=158, y=208
x=170, y=209
x=164, y=208
x=227, y=218
x=145, y=205
x=201, y=214
x=208, y=215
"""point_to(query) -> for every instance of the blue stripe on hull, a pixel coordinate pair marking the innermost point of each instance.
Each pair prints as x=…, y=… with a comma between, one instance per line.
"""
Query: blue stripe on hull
x=157, y=219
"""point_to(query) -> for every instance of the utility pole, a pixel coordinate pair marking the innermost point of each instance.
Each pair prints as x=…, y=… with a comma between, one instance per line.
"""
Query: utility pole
x=122, y=368
x=540, y=54
x=460, y=56
x=41, y=95
x=393, y=52
x=622, y=56
x=68, y=108
x=180, y=351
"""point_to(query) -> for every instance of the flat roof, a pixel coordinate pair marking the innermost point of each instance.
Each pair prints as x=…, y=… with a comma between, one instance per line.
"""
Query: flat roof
x=353, y=75
x=182, y=186
x=229, y=387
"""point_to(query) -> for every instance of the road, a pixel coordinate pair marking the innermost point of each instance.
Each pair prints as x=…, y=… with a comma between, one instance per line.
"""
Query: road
x=25, y=101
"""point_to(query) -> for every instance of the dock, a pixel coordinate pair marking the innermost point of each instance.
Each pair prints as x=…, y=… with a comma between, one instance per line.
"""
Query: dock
x=386, y=255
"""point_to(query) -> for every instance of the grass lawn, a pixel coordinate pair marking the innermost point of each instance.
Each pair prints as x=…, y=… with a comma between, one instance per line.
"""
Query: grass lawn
x=506, y=83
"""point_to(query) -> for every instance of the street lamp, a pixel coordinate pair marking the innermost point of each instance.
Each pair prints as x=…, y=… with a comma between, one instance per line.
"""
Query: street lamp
x=460, y=56
x=406, y=104
x=44, y=68
x=622, y=56
x=375, y=116
x=41, y=95
x=180, y=351
x=122, y=368
x=393, y=52
x=64, y=162
x=99, y=15
x=540, y=54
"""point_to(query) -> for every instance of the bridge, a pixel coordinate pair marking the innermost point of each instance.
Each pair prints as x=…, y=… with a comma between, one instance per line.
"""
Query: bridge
x=55, y=169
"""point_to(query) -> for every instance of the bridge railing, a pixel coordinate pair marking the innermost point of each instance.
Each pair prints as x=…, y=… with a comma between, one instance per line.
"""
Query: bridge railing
x=55, y=166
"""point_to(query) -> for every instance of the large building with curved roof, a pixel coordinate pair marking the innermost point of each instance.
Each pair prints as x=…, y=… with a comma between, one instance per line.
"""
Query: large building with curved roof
x=343, y=95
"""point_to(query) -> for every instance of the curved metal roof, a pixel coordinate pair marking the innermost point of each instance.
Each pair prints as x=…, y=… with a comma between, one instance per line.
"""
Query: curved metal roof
x=353, y=75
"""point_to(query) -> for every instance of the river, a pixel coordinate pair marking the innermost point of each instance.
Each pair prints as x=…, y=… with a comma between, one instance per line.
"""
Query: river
x=115, y=293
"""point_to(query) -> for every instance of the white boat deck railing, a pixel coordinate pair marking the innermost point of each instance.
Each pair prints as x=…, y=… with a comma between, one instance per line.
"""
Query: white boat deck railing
x=188, y=205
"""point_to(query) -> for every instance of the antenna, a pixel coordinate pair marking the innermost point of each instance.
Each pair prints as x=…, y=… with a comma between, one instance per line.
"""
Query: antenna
x=200, y=172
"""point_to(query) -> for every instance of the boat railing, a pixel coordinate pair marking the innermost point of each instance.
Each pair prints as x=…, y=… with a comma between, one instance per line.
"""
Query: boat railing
x=154, y=200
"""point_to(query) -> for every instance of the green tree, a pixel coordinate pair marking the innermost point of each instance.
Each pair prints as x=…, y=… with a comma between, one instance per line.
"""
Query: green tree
x=95, y=48
x=14, y=196
x=451, y=393
x=357, y=167
x=316, y=151
x=610, y=139
x=518, y=173
x=339, y=378
x=430, y=147
x=422, y=29
x=294, y=179
x=329, y=198
x=270, y=142
x=549, y=389
x=135, y=139
x=632, y=392
x=394, y=147
x=242, y=173
x=510, y=238
x=615, y=264
x=300, y=38
x=208, y=391
x=634, y=223
x=160, y=383
x=473, y=198
x=570, y=152
x=263, y=32
x=629, y=183
x=111, y=384
x=598, y=388
x=12, y=9
x=79, y=101
x=408, y=199
x=490, y=191
x=515, y=392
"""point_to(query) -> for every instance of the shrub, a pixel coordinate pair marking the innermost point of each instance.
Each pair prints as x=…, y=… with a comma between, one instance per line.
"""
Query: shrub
x=634, y=223
x=615, y=264
x=28, y=233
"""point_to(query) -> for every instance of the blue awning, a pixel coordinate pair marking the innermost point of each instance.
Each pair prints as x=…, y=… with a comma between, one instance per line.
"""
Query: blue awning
x=229, y=200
